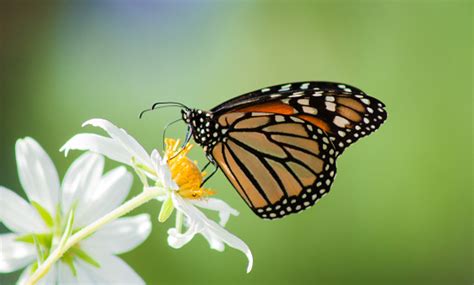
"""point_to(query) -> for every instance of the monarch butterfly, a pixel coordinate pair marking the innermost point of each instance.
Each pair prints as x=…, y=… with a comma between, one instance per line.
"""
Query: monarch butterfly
x=278, y=145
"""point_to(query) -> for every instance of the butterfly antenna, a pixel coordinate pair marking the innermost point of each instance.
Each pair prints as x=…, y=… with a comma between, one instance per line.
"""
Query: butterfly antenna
x=166, y=128
x=159, y=105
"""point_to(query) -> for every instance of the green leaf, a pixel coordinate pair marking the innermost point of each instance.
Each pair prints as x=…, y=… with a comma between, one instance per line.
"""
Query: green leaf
x=139, y=172
x=68, y=231
x=39, y=251
x=45, y=215
x=33, y=267
x=84, y=256
x=57, y=221
x=142, y=166
x=42, y=239
x=166, y=210
x=69, y=260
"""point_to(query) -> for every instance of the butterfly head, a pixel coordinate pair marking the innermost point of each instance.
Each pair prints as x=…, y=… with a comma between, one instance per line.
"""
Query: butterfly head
x=202, y=127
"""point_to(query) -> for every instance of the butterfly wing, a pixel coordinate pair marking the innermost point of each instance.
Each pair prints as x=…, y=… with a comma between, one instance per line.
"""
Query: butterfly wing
x=279, y=164
x=345, y=113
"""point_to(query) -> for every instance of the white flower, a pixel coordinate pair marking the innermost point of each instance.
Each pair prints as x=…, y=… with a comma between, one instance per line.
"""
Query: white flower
x=179, y=177
x=37, y=226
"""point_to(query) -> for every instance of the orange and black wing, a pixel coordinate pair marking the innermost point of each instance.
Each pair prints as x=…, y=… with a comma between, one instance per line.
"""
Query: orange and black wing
x=345, y=113
x=279, y=163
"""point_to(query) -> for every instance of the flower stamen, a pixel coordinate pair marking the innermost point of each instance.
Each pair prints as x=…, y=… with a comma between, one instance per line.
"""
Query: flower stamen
x=184, y=171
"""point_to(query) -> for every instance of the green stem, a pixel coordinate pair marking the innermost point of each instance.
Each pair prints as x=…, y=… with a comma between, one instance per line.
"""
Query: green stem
x=128, y=206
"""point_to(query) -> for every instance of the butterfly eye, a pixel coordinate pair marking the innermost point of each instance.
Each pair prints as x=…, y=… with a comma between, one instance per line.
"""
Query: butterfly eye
x=186, y=114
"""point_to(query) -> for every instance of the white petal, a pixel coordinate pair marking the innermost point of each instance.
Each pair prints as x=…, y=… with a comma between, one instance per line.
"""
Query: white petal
x=14, y=255
x=17, y=215
x=113, y=270
x=123, y=138
x=81, y=178
x=178, y=240
x=213, y=240
x=84, y=274
x=210, y=229
x=99, y=144
x=38, y=176
x=217, y=233
x=217, y=205
x=64, y=274
x=108, y=194
x=162, y=170
x=25, y=274
x=156, y=157
x=119, y=236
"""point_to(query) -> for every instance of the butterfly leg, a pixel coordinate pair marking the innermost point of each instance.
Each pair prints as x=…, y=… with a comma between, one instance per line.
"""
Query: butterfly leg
x=212, y=173
x=205, y=166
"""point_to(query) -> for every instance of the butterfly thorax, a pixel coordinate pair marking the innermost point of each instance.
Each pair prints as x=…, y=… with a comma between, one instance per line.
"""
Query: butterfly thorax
x=204, y=128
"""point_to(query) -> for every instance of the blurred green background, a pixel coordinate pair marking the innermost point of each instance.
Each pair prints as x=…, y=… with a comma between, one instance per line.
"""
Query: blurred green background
x=400, y=211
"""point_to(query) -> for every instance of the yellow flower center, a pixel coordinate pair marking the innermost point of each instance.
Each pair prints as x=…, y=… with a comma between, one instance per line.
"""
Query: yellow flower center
x=184, y=171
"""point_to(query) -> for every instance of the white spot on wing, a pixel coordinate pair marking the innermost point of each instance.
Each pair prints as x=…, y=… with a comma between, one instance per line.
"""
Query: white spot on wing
x=285, y=87
x=330, y=106
x=340, y=121
x=310, y=110
x=279, y=118
x=303, y=101
x=297, y=94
